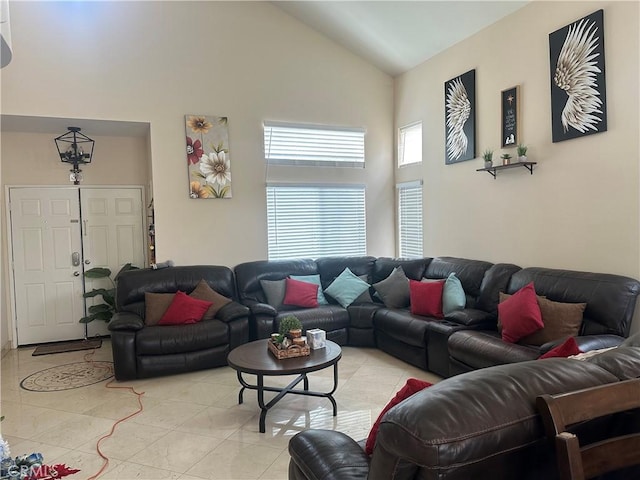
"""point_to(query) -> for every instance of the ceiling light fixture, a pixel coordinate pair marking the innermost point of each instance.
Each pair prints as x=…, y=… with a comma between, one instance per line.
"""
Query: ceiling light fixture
x=75, y=148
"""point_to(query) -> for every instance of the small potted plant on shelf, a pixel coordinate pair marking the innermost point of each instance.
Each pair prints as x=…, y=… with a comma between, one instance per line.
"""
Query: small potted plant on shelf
x=522, y=152
x=487, y=156
x=290, y=326
x=506, y=158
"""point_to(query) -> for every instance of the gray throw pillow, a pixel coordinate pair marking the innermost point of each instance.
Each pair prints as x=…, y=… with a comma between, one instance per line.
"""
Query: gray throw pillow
x=274, y=290
x=365, y=296
x=394, y=290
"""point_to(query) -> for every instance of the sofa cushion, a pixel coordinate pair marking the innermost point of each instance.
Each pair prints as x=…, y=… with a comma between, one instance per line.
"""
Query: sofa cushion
x=481, y=349
x=170, y=339
x=326, y=317
x=623, y=362
x=347, y=287
x=204, y=292
x=300, y=294
x=610, y=298
x=453, y=296
x=402, y=326
x=274, y=291
x=394, y=290
x=413, y=268
x=560, y=320
x=184, y=310
x=412, y=385
x=520, y=314
x=155, y=304
x=566, y=349
x=426, y=298
x=315, y=279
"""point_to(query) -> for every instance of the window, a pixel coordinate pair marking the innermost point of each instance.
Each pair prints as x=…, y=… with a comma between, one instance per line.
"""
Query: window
x=313, y=145
x=410, y=219
x=410, y=144
x=315, y=221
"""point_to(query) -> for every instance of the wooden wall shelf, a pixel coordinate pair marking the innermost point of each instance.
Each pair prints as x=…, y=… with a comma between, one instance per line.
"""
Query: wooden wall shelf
x=494, y=170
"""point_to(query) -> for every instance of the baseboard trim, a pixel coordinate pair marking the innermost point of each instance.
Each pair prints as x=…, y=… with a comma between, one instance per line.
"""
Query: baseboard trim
x=5, y=349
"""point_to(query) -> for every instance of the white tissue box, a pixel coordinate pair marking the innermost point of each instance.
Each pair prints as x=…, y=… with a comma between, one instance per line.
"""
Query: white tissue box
x=316, y=338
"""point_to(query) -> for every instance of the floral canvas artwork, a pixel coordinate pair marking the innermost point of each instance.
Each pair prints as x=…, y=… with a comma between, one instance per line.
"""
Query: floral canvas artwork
x=208, y=158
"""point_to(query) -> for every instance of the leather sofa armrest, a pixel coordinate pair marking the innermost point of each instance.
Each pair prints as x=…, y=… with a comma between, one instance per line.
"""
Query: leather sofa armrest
x=262, y=309
x=126, y=321
x=328, y=455
x=472, y=317
x=586, y=343
x=232, y=311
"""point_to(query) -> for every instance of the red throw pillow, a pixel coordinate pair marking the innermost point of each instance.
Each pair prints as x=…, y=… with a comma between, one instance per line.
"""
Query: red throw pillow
x=566, y=349
x=184, y=310
x=520, y=314
x=300, y=294
x=426, y=298
x=412, y=386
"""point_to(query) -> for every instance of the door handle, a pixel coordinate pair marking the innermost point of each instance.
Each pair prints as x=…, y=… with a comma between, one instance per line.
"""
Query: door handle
x=76, y=274
x=75, y=259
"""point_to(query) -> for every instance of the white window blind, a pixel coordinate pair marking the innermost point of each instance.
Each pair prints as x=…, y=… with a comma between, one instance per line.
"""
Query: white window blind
x=410, y=219
x=315, y=221
x=313, y=145
x=410, y=144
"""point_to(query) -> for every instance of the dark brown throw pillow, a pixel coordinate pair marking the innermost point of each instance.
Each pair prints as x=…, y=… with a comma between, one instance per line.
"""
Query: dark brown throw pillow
x=204, y=292
x=561, y=320
x=155, y=306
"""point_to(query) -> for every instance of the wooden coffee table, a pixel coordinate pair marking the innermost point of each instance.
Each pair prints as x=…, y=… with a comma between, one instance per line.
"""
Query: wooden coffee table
x=254, y=358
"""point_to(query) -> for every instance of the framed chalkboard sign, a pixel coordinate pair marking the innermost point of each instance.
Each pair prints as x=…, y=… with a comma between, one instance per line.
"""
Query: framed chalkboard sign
x=509, y=118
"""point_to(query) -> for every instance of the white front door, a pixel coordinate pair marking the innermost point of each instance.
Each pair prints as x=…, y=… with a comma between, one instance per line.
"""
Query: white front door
x=112, y=236
x=45, y=228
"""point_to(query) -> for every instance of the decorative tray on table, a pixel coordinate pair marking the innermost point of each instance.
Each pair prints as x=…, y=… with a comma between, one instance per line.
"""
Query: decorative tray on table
x=291, y=351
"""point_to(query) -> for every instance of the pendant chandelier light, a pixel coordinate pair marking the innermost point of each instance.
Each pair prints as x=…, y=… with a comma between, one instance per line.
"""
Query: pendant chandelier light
x=76, y=149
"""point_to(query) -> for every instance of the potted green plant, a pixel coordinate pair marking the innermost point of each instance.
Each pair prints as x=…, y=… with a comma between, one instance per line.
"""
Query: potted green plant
x=506, y=158
x=103, y=311
x=291, y=326
x=487, y=156
x=522, y=152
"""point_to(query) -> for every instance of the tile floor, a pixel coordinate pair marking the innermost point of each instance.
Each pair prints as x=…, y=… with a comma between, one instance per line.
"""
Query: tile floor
x=192, y=427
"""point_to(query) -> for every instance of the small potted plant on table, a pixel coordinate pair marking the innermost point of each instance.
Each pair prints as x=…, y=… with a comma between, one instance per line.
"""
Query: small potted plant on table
x=290, y=326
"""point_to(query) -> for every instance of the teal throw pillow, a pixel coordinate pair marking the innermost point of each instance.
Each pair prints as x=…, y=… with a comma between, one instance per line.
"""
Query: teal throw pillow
x=346, y=288
x=315, y=279
x=453, y=296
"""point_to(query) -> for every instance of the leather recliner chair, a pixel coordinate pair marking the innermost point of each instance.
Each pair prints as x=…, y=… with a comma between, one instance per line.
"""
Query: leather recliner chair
x=141, y=351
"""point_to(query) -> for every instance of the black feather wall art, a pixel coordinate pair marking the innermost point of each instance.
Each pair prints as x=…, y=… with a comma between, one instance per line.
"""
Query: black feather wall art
x=578, y=93
x=460, y=121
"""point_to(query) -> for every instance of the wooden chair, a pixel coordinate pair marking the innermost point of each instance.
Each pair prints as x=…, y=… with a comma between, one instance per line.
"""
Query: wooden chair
x=582, y=462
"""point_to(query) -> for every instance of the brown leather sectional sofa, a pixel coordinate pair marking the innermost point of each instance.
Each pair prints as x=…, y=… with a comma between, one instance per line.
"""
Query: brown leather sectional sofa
x=465, y=340
x=481, y=425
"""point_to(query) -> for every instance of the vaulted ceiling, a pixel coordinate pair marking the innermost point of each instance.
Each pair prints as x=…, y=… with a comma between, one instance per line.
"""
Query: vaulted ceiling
x=398, y=35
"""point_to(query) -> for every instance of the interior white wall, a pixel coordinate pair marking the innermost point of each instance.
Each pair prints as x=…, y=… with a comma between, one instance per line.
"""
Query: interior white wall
x=579, y=210
x=248, y=61
x=154, y=62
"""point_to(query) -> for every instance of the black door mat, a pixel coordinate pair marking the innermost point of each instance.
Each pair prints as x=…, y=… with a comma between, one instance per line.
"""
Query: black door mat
x=62, y=347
